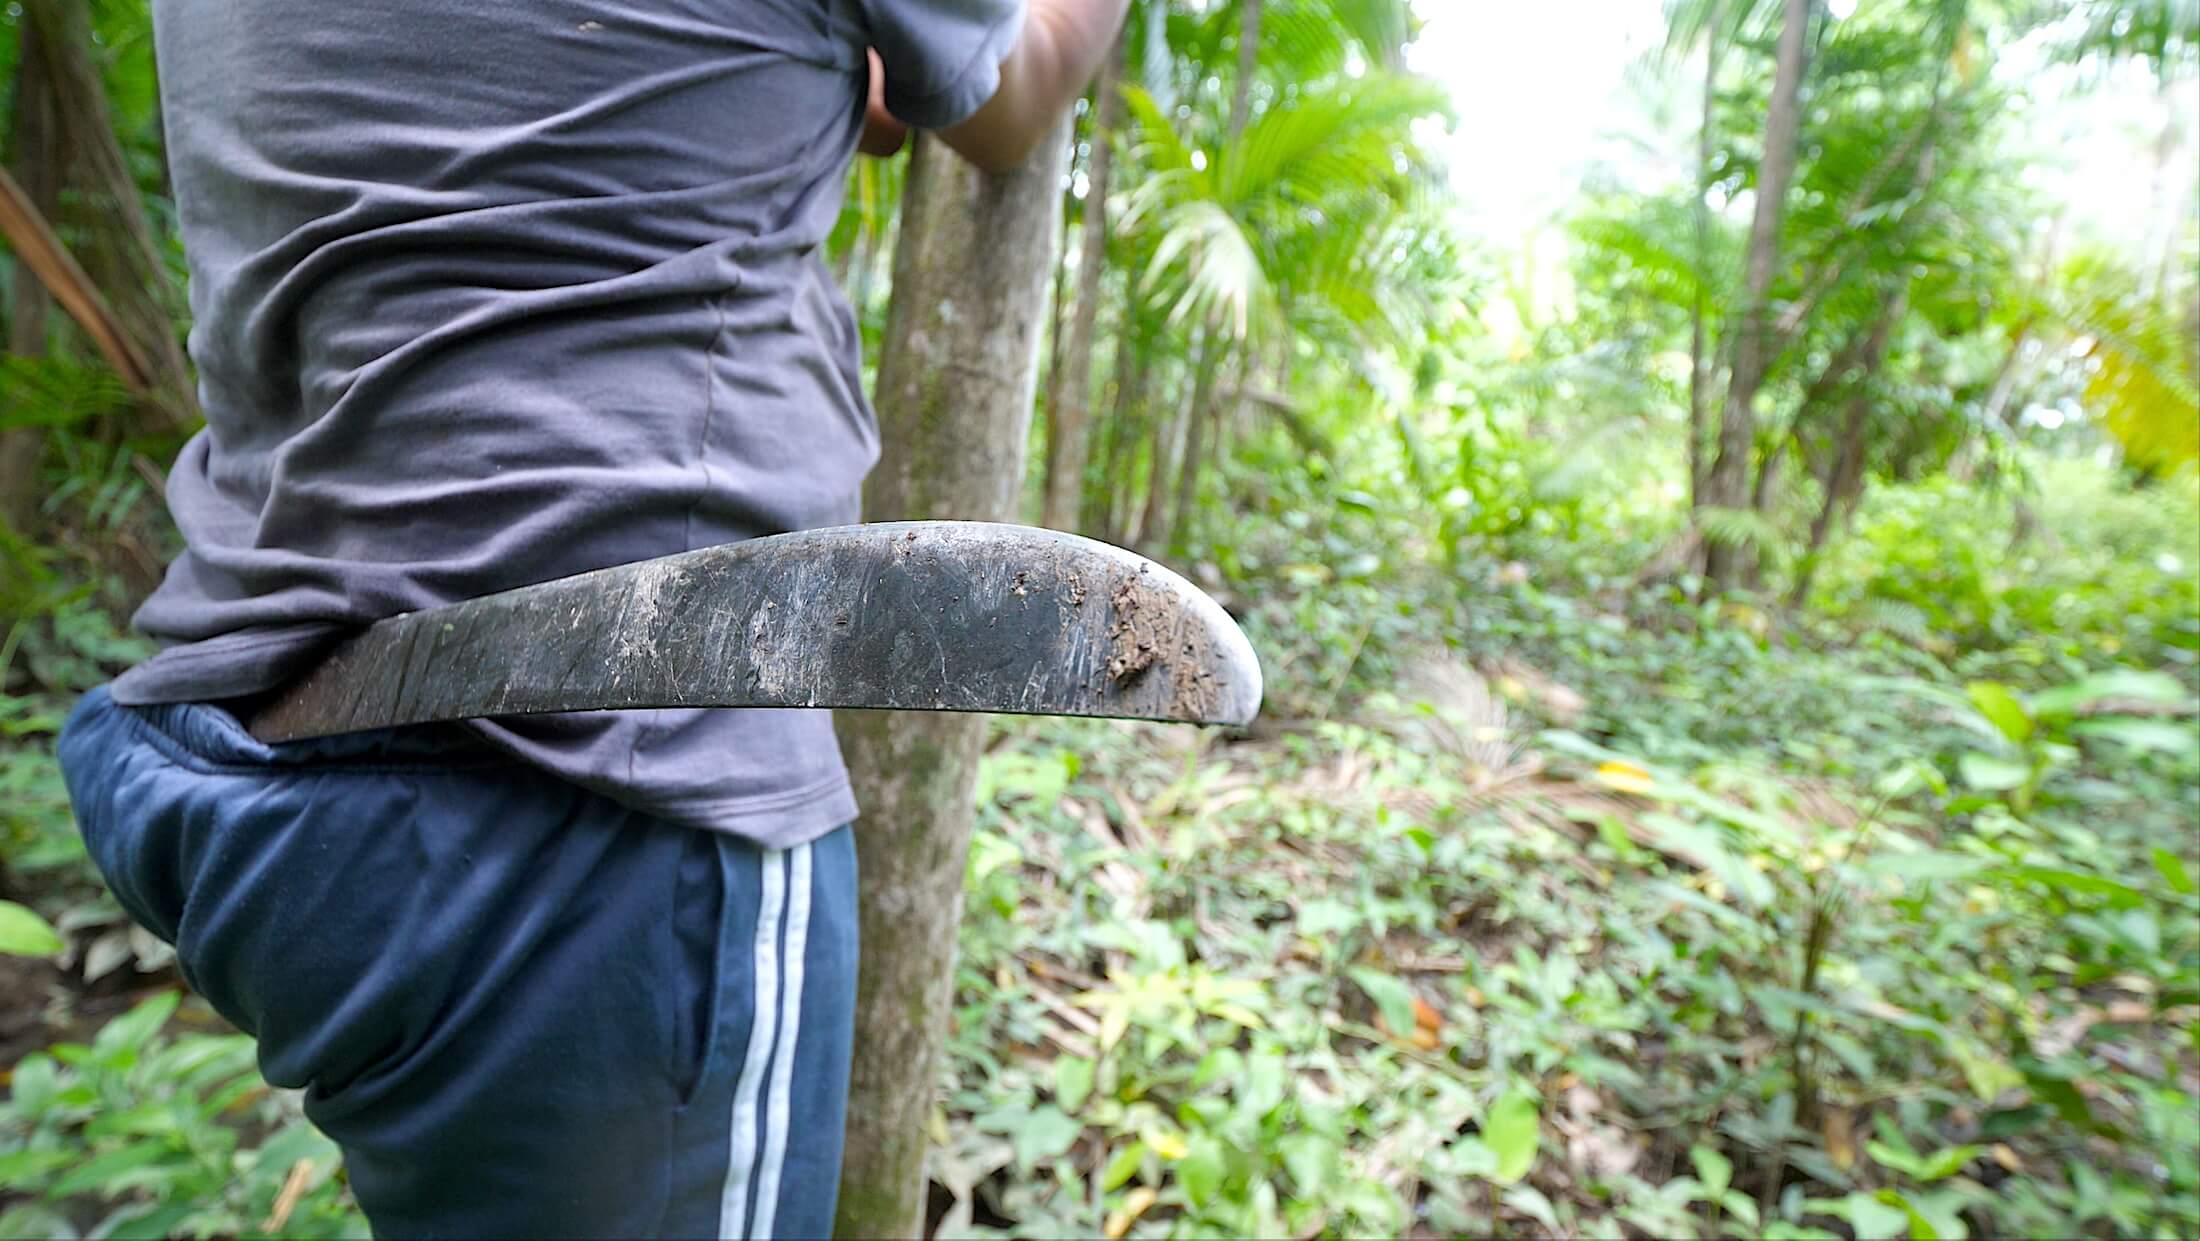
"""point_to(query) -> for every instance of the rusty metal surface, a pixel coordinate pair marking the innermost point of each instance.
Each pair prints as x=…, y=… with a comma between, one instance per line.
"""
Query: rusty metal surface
x=920, y=616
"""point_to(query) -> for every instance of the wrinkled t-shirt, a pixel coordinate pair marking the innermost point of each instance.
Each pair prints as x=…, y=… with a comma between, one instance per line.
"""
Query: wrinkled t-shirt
x=493, y=292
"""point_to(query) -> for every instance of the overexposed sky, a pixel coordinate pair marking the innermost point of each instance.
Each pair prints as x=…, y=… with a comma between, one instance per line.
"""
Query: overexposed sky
x=1542, y=91
x=1534, y=86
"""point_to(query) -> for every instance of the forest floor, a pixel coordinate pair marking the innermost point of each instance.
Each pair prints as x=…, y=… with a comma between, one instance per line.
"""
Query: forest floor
x=1523, y=910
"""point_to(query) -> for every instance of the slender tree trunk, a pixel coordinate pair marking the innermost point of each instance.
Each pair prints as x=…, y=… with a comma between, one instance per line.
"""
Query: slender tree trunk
x=36, y=157
x=1844, y=473
x=1168, y=420
x=1069, y=387
x=1831, y=383
x=957, y=372
x=1195, y=448
x=1699, y=359
x=1241, y=100
x=1057, y=310
x=1728, y=481
x=1133, y=365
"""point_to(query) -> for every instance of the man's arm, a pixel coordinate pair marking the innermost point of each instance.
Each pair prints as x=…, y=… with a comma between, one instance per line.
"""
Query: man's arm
x=882, y=134
x=1063, y=42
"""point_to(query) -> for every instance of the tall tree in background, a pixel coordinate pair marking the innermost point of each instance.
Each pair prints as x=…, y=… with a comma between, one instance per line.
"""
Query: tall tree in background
x=957, y=374
x=1727, y=483
x=1069, y=383
x=74, y=176
x=1248, y=66
x=1699, y=210
x=33, y=153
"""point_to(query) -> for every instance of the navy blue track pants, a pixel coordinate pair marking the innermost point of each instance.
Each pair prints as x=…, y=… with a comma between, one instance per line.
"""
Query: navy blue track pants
x=521, y=1009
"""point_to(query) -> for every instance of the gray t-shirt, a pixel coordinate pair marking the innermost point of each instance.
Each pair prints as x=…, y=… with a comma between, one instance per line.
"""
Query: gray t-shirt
x=493, y=292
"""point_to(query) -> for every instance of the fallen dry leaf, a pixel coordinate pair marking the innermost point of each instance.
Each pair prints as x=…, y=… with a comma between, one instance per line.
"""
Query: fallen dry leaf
x=1624, y=777
x=1119, y=1221
x=1839, y=1131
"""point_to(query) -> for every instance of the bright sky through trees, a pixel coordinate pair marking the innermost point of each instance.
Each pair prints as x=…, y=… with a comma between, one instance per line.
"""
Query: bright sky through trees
x=1532, y=86
x=1540, y=91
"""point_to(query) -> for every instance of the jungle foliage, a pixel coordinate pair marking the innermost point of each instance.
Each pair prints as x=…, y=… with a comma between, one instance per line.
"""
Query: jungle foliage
x=1731, y=763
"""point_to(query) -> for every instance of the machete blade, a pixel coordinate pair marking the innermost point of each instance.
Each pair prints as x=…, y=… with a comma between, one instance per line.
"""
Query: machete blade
x=911, y=616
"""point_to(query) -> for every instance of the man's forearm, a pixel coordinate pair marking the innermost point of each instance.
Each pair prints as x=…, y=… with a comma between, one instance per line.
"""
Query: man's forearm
x=1063, y=42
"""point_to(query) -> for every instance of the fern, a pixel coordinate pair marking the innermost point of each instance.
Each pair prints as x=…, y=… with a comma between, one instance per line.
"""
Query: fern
x=1745, y=529
x=56, y=391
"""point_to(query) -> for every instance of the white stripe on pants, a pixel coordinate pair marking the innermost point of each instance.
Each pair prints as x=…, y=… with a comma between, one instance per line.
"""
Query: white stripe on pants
x=774, y=1025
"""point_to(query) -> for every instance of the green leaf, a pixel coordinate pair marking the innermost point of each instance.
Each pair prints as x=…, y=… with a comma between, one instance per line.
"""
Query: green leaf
x=1123, y=1165
x=25, y=934
x=1937, y=1216
x=2001, y=709
x=1072, y=1082
x=1715, y=1170
x=2173, y=872
x=1264, y=1085
x=1901, y=1161
x=1512, y=1131
x=1739, y=1205
x=1873, y=1220
x=2157, y=736
x=1201, y=1170
x=1991, y=773
x=28, y=1168
x=1942, y=1164
x=1987, y=1075
x=134, y=1029
x=1043, y=1135
x=146, y=1223
x=108, y=1171
x=2121, y=896
x=1310, y=1158
x=2153, y=688
x=1392, y=998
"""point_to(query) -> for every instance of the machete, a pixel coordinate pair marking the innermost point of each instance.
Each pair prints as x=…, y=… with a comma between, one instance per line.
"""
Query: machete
x=912, y=616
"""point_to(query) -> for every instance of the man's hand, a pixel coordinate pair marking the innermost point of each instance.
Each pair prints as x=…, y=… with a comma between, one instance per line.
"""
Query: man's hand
x=882, y=134
x=1063, y=42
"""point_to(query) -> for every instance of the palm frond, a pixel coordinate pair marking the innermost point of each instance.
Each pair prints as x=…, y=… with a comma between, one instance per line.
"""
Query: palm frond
x=1224, y=282
x=2143, y=384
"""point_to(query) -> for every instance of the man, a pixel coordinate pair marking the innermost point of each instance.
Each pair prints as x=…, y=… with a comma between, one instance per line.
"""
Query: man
x=485, y=294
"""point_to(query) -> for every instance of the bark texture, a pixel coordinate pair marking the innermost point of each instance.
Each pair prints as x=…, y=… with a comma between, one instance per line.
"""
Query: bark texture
x=122, y=257
x=957, y=372
x=34, y=153
x=1727, y=484
x=1168, y=422
x=1195, y=445
x=1069, y=390
x=1241, y=101
x=1699, y=356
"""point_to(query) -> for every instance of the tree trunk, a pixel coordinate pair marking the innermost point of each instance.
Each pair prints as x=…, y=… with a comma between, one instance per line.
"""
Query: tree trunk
x=1728, y=481
x=1133, y=366
x=1241, y=101
x=36, y=157
x=1195, y=449
x=1168, y=420
x=1844, y=473
x=957, y=372
x=124, y=260
x=1699, y=360
x=1069, y=386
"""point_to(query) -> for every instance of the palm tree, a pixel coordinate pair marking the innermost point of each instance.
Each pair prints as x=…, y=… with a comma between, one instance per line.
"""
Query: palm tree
x=1239, y=243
